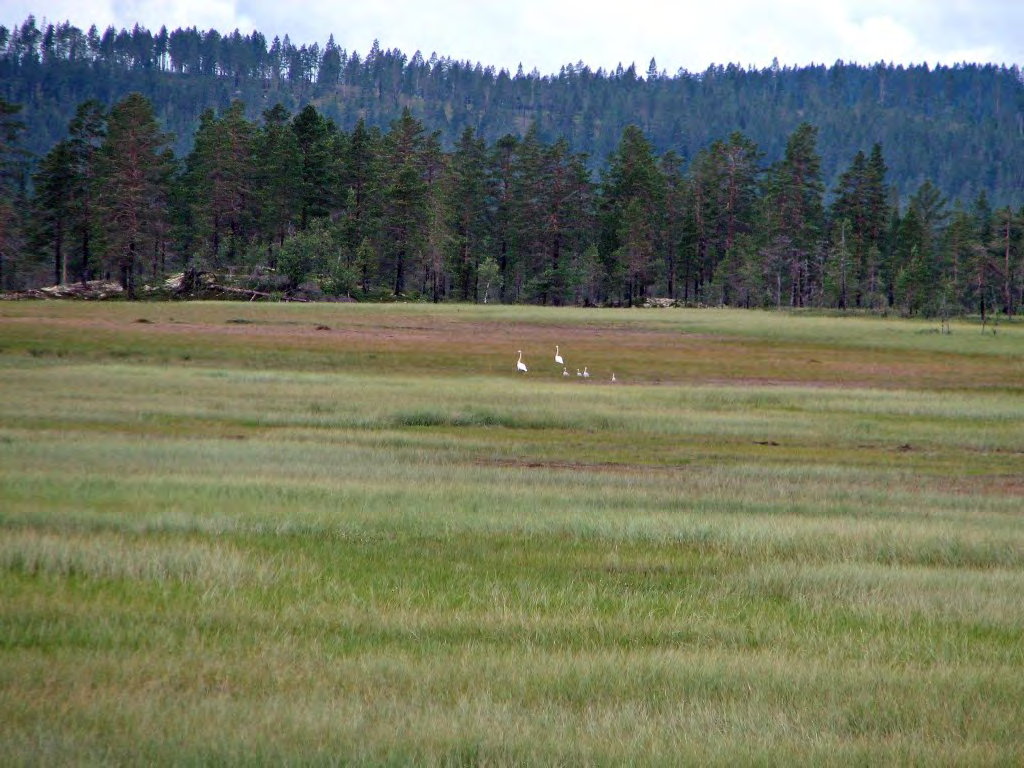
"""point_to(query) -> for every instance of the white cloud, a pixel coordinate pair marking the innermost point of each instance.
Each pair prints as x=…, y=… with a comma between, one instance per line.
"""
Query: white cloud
x=221, y=15
x=547, y=34
x=14, y=12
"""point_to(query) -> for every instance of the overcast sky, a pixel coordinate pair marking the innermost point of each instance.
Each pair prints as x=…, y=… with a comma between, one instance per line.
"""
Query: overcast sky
x=546, y=34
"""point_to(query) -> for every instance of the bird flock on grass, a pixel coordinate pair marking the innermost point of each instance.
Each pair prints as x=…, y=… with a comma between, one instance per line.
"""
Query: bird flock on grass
x=559, y=360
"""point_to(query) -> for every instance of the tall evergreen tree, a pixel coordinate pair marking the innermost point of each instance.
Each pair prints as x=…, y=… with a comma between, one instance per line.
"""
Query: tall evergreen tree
x=53, y=184
x=675, y=218
x=851, y=235
x=910, y=262
x=277, y=175
x=219, y=182
x=736, y=166
x=1007, y=244
x=796, y=192
x=729, y=172
x=958, y=243
x=574, y=219
x=132, y=184
x=319, y=143
x=86, y=133
x=503, y=170
x=557, y=211
x=430, y=265
x=914, y=259
x=405, y=197
x=361, y=187
x=529, y=202
x=632, y=210
x=469, y=209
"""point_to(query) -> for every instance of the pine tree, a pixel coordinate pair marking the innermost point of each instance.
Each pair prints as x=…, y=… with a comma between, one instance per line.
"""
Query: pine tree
x=1007, y=228
x=405, y=197
x=910, y=261
x=503, y=170
x=86, y=133
x=875, y=197
x=565, y=218
x=916, y=250
x=796, y=192
x=278, y=176
x=838, y=271
x=53, y=185
x=526, y=226
x=319, y=143
x=468, y=198
x=437, y=250
x=329, y=68
x=219, y=182
x=632, y=211
x=675, y=218
x=360, y=186
x=849, y=214
x=132, y=185
x=958, y=242
x=873, y=235
x=432, y=256
x=729, y=173
x=737, y=163
x=575, y=216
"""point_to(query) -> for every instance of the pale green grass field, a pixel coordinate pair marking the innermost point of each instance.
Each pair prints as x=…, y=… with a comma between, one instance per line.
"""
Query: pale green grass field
x=228, y=536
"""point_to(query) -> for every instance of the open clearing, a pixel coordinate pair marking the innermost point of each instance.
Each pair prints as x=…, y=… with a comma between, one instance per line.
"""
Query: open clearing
x=235, y=533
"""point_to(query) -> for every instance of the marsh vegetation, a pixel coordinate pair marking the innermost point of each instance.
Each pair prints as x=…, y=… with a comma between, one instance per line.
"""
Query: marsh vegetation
x=323, y=534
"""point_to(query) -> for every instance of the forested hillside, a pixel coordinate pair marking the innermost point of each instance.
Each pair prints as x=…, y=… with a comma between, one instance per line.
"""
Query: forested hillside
x=960, y=127
x=134, y=154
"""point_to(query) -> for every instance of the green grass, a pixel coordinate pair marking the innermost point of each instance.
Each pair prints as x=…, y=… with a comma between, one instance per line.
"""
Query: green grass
x=778, y=539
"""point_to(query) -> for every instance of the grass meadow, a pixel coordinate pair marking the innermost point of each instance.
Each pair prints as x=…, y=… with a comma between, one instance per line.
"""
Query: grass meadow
x=323, y=534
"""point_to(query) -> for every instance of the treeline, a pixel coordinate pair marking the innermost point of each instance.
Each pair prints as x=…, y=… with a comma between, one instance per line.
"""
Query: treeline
x=294, y=202
x=961, y=127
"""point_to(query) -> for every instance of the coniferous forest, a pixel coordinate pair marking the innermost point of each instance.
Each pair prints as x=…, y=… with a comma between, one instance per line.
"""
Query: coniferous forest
x=131, y=155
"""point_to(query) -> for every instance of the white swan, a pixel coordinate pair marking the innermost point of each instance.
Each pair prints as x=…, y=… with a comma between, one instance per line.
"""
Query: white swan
x=565, y=371
x=558, y=357
x=521, y=366
x=586, y=373
x=613, y=377
x=578, y=372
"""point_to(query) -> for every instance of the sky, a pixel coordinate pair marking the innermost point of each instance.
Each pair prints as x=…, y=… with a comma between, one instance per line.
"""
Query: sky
x=547, y=34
